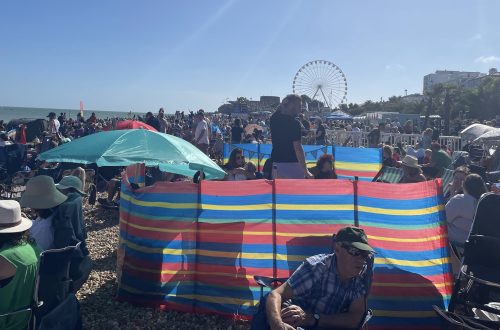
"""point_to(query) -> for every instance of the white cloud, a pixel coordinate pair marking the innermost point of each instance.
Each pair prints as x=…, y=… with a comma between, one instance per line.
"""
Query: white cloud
x=395, y=67
x=477, y=36
x=487, y=59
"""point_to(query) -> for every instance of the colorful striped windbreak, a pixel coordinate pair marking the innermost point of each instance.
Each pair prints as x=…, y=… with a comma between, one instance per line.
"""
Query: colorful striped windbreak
x=363, y=163
x=195, y=248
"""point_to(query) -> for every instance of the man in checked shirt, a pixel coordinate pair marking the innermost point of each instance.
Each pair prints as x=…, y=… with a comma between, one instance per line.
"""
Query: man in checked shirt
x=327, y=290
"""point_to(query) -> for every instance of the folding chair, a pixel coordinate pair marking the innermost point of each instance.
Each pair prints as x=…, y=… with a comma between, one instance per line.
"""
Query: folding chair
x=273, y=282
x=446, y=178
x=53, y=285
x=478, y=283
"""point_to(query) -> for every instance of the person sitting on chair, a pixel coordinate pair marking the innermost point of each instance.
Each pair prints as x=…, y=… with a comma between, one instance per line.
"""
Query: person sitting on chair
x=18, y=265
x=42, y=196
x=327, y=290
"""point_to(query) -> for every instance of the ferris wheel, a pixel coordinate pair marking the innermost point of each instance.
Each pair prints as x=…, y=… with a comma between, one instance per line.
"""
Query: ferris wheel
x=322, y=81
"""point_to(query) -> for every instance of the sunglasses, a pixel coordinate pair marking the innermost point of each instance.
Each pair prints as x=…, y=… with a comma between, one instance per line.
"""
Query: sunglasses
x=240, y=157
x=355, y=252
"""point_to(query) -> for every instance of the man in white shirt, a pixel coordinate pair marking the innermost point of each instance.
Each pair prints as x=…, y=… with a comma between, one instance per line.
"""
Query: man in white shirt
x=201, y=134
x=54, y=124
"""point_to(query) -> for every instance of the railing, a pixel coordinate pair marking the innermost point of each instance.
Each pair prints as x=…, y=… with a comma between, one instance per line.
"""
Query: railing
x=360, y=139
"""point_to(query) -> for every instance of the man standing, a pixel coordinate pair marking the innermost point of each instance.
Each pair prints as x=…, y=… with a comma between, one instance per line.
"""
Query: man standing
x=327, y=290
x=163, y=123
x=288, y=154
x=374, y=136
x=54, y=124
x=201, y=139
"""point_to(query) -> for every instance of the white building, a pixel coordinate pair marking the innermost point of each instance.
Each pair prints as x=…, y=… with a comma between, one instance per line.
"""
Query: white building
x=456, y=78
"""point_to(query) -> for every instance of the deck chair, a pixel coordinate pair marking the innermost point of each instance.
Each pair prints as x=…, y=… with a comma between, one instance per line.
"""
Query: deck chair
x=478, y=283
x=273, y=282
x=390, y=174
x=446, y=179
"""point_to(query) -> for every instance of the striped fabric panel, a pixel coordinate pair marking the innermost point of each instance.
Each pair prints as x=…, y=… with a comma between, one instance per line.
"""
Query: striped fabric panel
x=405, y=224
x=235, y=242
x=182, y=257
x=306, y=217
x=158, y=241
x=361, y=162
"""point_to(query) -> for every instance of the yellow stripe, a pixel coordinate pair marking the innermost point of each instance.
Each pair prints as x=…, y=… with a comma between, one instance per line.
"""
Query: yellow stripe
x=375, y=167
x=414, y=263
x=165, y=205
x=217, y=300
x=422, y=211
x=407, y=240
x=249, y=207
x=315, y=207
x=412, y=314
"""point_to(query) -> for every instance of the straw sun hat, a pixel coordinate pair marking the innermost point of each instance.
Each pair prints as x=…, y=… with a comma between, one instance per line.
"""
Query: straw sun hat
x=11, y=220
x=410, y=161
x=41, y=194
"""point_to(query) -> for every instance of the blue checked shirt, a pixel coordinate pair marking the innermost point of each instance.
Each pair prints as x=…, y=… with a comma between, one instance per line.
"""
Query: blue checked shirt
x=317, y=288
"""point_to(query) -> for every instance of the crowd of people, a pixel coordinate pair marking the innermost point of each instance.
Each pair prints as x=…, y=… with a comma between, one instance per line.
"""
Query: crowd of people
x=57, y=216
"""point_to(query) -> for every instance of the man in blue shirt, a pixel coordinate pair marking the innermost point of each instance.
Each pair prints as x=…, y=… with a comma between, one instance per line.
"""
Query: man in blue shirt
x=327, y=290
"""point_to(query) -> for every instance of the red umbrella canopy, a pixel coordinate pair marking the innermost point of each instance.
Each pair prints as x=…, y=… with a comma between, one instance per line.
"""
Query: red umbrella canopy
x=131, y=124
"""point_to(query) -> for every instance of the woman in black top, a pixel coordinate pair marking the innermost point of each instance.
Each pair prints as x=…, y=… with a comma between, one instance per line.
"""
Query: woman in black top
x=236, y=132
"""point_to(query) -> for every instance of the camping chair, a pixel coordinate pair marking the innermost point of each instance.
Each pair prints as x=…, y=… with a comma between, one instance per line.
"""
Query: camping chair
x=478, y=283
x=53, y=286
x=273, y=282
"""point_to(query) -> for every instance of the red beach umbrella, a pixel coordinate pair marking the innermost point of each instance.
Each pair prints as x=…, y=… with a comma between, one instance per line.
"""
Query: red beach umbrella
x=132, y=124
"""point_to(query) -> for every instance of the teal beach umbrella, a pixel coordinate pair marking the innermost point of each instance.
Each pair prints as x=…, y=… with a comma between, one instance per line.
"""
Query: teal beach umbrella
x=126, y=147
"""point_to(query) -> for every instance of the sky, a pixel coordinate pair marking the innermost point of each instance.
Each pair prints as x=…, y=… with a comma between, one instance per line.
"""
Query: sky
x=186, y=55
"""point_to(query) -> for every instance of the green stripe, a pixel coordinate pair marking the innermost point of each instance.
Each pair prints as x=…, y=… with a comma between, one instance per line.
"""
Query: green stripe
x=402, y=227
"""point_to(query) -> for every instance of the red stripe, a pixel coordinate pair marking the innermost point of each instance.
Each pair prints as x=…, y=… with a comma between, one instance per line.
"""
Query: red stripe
x=403, y=233
x=399, y=191
x=408, y=247
x=236, y=188
x=387, y=291
x=319, y=187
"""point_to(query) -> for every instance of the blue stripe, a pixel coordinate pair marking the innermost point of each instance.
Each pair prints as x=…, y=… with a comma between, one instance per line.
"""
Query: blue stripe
x=403, y=204
x=402, y=220
x=314, y=199
x=414, y=255
x=237, y=200
x=158, y=211
x=439, y=269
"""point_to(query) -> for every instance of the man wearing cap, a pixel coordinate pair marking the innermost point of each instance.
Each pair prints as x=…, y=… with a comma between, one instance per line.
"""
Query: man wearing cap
x=327, y=290
x=18, y=265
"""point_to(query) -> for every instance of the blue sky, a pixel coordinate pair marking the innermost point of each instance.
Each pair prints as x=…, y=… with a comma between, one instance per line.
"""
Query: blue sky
x=140, y=55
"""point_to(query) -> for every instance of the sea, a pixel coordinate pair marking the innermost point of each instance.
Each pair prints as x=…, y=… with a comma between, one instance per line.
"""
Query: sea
x=8, y=113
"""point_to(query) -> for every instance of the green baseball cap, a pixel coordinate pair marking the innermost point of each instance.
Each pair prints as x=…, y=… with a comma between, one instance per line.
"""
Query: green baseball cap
x=354, y=236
